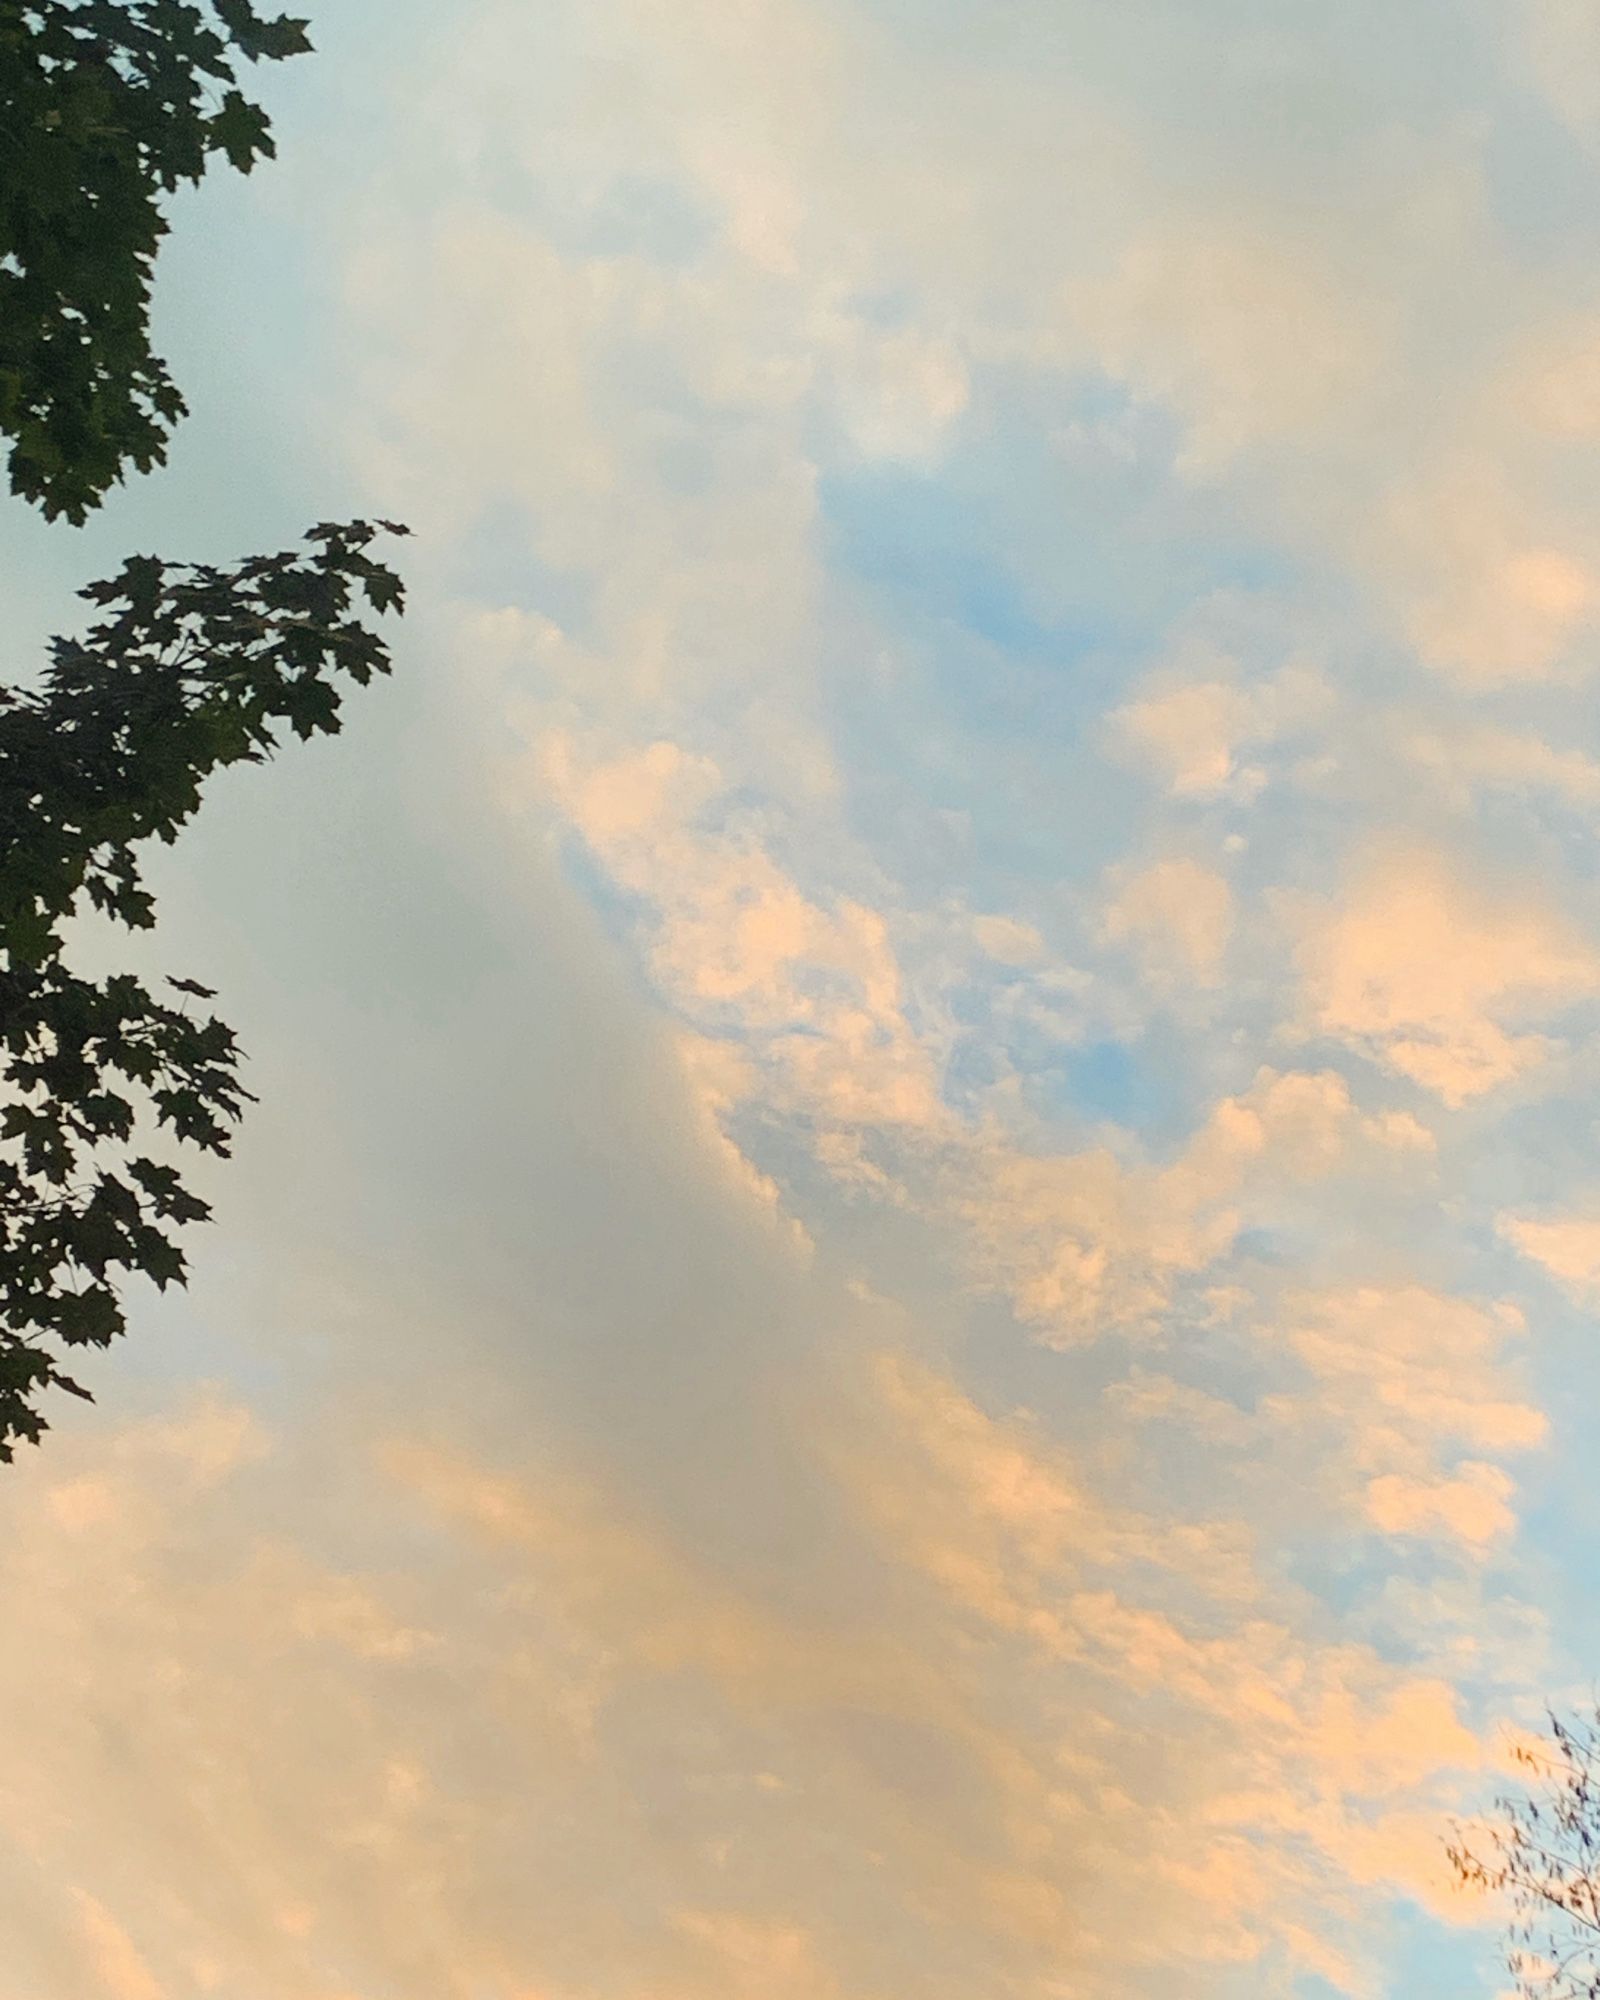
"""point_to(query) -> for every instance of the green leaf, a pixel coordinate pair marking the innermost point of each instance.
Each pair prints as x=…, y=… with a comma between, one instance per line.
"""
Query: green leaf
x=242, y=131
x=187, y=669
x=91, y=1316
x=105, y=109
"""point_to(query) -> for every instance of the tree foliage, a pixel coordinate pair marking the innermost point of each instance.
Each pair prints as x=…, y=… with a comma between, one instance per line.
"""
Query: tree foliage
x=1541, y=1854
x=189, y=668
x=106, y=107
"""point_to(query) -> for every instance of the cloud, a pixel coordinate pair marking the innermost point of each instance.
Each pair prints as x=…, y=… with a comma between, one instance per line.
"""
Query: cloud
x=988, y=1509
x=1562, y=48
x=1248, y=335
x=1085, y=1243
x=879, y=1350
x=817, y=989
x=756, y=1959
x=550, y=1694
x=1177, y=915
x=1438, y=979
x=1191, y=721
x=1288, y=1741
x=1472, y=1504
x=1466, y=760
x=1008, y=940
x=833, y=1028
x=122, y=1973
x=1486, y=596
x=1567, y=1246
x=1407, y=1387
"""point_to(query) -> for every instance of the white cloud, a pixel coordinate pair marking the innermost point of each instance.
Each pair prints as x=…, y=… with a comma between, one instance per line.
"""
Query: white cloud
x=1465, y=760
x=1472, y=1503
x=1409, y=1388
x=1085, y=1243
x=1568, y=1247
x=1440, y=979
x=1246, y=333
x=1178, y=915
x=1490, y=592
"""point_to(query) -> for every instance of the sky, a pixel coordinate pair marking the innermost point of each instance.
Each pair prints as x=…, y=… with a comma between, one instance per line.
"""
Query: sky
x=909, y=1315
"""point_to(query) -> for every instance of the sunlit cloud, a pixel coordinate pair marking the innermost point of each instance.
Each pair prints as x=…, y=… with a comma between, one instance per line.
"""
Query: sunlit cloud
x=904, y=1318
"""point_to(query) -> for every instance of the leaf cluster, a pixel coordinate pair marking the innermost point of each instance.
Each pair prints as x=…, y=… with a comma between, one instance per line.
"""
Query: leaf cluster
x=1542, y=1856
x=106, y=107
x=189, y=668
